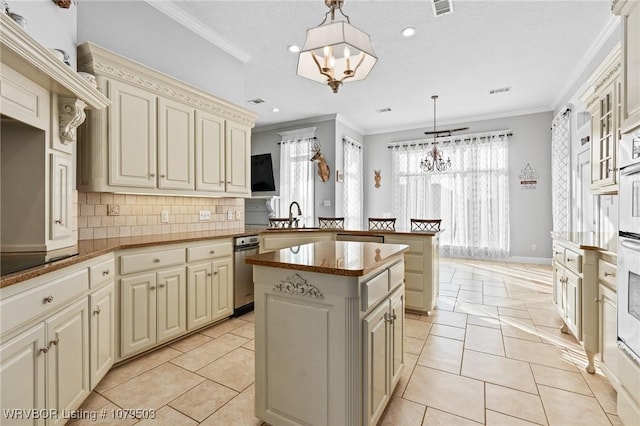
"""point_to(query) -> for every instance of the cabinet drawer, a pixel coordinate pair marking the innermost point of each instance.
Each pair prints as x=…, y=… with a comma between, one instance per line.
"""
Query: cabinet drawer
x=146, y=261
x=209, y=251
x=101, y=273
x=607, y=272
x=375, y=290
x=415, y=245
x=558, y=253
x=573, y=260
x=32, y=303
x=396, y=275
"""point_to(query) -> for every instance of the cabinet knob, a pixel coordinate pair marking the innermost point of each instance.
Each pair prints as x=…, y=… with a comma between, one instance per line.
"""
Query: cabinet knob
x=598, y=299
x=569, y=260
x=163, y=176
x=215, y=273
x=221, y=181
x=209, y=274
x=161, y=285
x=59, y=222
x=228, y=181
x=152, y=175
x=212, y=252
x=153, y=287
x=609, y=274
x=558, y=252
x=54, y=342
x=97, y=311
x=44, y=350
x=105, y=272
x=47, y=299
x=156, y=260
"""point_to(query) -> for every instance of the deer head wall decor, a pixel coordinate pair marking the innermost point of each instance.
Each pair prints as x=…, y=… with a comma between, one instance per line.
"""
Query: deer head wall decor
x=377, y=178
x=323, y=168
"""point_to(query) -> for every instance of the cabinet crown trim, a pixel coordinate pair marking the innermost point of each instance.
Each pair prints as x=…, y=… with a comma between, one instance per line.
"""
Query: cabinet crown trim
x=609, y=69
x=102, y=62
x=40, y=65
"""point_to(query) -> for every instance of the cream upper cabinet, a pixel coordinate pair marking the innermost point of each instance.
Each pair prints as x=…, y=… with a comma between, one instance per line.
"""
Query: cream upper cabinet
x=60, y=225
x=238, y=154
x=160, y=136
x=630, y=12
x=132, y=130
x=175, y=145
x=603, y=99
x=210, y=152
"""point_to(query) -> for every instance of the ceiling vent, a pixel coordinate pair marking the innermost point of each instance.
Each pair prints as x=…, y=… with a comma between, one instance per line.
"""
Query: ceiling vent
x=256, y=101
x=442, y=7
x=499, y=90
x=382, y=110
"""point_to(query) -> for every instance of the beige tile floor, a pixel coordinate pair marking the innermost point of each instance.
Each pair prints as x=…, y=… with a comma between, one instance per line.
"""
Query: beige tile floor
x=492, y=354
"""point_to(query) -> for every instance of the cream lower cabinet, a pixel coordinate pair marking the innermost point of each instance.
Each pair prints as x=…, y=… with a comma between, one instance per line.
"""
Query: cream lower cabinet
x=608, y=318
x=102, y=322
x=47, y=364
x=153, y=309
x=210, y=292
x=575, y=294
x=422, y=275
x=384, y=347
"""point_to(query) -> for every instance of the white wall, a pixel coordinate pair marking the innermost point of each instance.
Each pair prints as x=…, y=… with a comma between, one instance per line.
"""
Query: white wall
x=140, y=32
x=50, y=25
x=342, y=129
x=529, y=210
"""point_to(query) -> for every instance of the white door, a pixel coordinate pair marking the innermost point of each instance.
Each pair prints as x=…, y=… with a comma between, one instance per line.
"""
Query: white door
x=210, y=156
x=22, y=364
x=376, y=363
x=238, y=153
x=222, y=284
x=132, y=136
x=102, y=338
x=68, y=359
x=199, y=295
x=172, y=303
x=138, y=313
x=60, y=203
x=175, y=145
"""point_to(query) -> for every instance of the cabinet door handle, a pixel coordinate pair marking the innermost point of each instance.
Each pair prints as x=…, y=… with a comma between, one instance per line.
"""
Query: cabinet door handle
x=569, y=259
x=156, y=260
x=44, y=350
x=163, y=176
x=558, y=252
x=54, y=342
x=97, y=311
x=105, y=272
x=161, y=285
x=153, y=287
x=215, y=273
x=212, y=252
x=47, y=299
x=598, y=299
x=59, y=222
x=152, y=175
x=221, y=181
x=209, y=274
x=609, y=274
x=228, y=181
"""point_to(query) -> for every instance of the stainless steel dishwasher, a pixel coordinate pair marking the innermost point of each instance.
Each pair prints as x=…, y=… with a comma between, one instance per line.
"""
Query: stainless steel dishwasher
x=243, y=273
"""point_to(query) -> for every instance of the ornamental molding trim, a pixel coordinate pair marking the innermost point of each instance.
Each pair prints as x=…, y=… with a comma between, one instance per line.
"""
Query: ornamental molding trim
x=72, y=115
x=604, y=80
x=298, y=286
x=95, y=60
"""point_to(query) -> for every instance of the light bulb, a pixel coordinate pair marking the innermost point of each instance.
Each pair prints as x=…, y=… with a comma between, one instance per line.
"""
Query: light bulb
x=347, y=55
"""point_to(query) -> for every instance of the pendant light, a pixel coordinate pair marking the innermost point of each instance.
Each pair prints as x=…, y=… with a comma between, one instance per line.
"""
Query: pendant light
x=433, y=161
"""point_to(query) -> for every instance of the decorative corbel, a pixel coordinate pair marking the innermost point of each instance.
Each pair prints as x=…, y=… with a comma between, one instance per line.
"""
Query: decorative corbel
x=71, y=116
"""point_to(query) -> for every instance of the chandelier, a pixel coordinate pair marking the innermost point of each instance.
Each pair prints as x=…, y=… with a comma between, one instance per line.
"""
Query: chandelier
x=433, y=160
x=336, y=52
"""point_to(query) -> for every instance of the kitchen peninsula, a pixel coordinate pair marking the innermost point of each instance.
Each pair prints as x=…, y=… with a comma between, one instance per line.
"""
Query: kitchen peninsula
x=329, y=331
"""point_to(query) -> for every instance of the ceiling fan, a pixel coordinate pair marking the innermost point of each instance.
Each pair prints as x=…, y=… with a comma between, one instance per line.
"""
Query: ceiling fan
x=441, y=133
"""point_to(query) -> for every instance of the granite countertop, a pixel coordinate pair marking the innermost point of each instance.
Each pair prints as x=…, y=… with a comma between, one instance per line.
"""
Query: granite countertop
x=349, y=231
x=346, y=258
x=88, y=249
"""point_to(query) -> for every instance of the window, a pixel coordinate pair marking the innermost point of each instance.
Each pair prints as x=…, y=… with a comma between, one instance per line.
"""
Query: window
x=296, y=173
x=353, y=184
x=471, y=198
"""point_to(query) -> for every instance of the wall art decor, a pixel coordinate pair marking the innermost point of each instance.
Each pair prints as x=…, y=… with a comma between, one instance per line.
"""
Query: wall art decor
x=377, y=178
x=529, y=177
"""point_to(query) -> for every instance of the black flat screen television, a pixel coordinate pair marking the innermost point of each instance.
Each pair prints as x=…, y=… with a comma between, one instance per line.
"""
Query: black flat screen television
x=262, y=173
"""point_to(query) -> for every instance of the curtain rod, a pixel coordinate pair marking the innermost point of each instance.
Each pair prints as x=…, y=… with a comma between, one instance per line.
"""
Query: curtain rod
x=450, y=139
x=353, y=142
x=297, y=140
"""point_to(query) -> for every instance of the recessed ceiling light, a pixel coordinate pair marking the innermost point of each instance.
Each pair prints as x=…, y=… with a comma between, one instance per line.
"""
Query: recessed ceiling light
x=408, y=32
x=275, y=110
x=293, y=48
x=256, y=101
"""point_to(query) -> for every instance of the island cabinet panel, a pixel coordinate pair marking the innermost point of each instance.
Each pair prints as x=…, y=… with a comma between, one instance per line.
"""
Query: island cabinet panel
x=329, y=348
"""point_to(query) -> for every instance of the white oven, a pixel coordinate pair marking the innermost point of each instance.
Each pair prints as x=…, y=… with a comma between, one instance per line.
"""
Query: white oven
x=629, y=247
x=629, y=296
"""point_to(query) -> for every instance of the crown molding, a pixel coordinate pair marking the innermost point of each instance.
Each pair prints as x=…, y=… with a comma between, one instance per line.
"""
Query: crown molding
x=196, y=26
x=350, y=124
x=612, y=25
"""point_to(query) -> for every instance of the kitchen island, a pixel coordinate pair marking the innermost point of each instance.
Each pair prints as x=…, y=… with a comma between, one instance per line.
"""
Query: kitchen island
x=329, y=331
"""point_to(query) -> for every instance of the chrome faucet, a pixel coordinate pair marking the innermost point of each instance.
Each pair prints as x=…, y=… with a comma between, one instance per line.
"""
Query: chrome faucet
x=291, y=213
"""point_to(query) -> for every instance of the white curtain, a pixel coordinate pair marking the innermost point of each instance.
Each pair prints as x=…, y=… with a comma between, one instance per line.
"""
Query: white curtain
x=560, y=167
x=471, y=198
x=296, y=173
x=353, y=193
